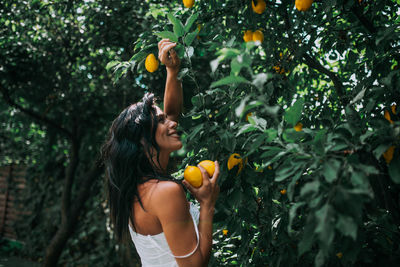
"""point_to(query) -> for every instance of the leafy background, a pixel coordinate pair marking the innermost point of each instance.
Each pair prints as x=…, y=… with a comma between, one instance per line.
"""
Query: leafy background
x=324, y=195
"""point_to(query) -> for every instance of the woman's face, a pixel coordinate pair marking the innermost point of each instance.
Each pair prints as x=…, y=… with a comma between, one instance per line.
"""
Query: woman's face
x=167, y=137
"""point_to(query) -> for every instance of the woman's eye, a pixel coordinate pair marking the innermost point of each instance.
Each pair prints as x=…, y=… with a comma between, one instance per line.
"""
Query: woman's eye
x=161, y=119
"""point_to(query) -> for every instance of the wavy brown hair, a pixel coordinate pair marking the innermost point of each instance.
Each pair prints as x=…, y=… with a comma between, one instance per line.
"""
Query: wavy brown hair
x=131, y=138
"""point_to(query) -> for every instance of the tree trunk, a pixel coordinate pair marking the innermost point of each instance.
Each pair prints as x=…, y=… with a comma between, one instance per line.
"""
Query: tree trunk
x=67, y=227
x=57, y=244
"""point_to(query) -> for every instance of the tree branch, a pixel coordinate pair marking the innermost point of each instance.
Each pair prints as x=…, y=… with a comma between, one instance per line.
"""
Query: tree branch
x=95, y=172
x=34, y=114
x=69, y=181
x=312, y=63
x=364, y=21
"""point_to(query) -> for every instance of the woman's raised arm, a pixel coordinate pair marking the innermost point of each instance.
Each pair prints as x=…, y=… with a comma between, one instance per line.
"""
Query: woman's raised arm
x=173, y=95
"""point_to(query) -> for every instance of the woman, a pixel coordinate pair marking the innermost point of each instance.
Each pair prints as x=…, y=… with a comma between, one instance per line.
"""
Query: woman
x=145, y=202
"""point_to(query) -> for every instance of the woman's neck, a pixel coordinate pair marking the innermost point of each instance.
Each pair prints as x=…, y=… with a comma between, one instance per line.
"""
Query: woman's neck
x=162, y=160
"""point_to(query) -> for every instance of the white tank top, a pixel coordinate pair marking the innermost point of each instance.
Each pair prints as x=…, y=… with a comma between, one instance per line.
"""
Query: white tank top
x=154, y=250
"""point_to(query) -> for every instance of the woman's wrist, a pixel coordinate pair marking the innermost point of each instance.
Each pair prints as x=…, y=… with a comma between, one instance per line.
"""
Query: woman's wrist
x=173, y=71
x=207, y=207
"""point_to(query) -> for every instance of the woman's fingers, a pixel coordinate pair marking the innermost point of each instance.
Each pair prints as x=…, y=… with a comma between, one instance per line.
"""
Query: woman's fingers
x=161, y=43
x=189, y=187
x=163, y=54
x=214, y=178
x=204, y=174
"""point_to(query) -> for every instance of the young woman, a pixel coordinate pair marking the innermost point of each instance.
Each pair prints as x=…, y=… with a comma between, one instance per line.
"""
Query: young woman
x=147, y=204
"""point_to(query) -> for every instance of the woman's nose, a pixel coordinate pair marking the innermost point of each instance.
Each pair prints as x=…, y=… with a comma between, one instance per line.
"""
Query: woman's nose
x=173, y=124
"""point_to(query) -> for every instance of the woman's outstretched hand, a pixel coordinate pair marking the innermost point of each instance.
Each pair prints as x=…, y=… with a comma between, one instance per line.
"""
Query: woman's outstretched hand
x=167, y=55
x=206, y=194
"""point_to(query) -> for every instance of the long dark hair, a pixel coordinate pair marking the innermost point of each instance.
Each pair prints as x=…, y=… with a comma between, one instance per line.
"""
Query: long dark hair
x=128, y=161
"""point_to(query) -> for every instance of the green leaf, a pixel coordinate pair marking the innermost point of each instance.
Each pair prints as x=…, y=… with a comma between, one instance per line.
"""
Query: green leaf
x=260, y=79
x=228, y=53
x=196, y=100
x=177, y=25
x=112, y=64
x=245, y=129
x=380, y=150
x=331, y=169
x=319, y=141
x=358, y=178
x=190, y=21
x=347, y=226
x=309, y=188
x=180, y=50
x=394, y=169
x=293, y=114
x=167, y=35
x=183, y=73
x=228, y=140
x=359, y=96
x=190, y=37
x=229, y=80
x=286, y=170
x=320, y=258
x=138, y=56
x=325, y=229
x=292, y=184
x=308, y=238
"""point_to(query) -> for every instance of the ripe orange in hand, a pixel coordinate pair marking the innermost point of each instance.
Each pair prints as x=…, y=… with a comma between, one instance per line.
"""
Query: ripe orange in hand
x=209, y=166
x=193, y=176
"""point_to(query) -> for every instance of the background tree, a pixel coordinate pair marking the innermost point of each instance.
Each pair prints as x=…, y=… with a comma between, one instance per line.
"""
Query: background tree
x=57, y=103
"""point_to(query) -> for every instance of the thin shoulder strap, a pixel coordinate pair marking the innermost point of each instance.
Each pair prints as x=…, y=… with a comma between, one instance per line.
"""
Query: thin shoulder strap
x=184, y=256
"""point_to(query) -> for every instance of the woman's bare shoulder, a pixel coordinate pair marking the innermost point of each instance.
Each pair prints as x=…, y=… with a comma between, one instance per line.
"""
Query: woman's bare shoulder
x=169, y=189
x=169, y=194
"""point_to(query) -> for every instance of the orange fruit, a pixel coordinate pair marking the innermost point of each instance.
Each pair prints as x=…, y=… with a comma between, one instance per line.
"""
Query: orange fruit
x=283, y=192
x=388, y=155
x=303, y=5
x=298, y=127
x=209, y=166
x=151, y=63
x=248, y=115
x=279, y=69
x=258, y=36
x=188, y=3
x=339, y=255
x=387, y=116
x=248, y=36
x=259, y=7
x=236, y=159
x=192, y=175
x=225, y=232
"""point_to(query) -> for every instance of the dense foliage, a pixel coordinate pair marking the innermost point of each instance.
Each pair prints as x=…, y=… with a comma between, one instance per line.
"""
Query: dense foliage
x=323, y=192
x=312, y=111
x=57, y=103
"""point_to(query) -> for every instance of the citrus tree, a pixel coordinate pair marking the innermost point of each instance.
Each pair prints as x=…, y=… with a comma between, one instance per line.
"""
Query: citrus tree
x=297, y=100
